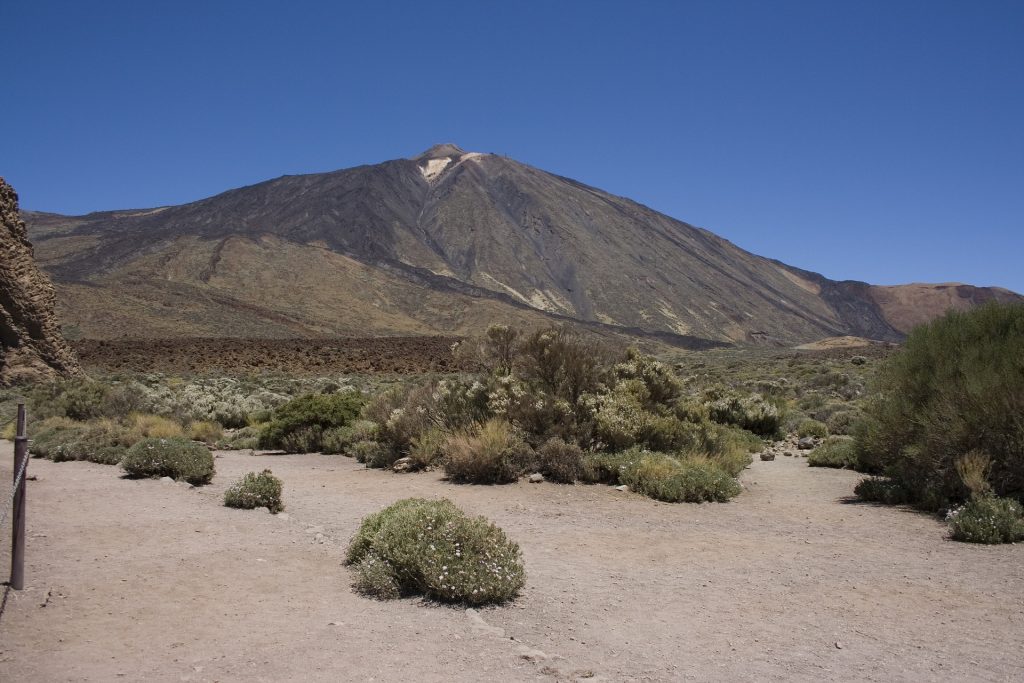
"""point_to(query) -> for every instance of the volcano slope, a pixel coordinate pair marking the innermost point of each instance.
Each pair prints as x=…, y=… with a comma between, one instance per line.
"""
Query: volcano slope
x=444, y=243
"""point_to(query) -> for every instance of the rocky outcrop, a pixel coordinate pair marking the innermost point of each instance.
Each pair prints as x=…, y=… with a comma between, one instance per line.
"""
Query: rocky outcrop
x=31, y=345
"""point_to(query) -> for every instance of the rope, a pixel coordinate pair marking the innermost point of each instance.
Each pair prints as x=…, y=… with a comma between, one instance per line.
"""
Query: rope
x=14, y=491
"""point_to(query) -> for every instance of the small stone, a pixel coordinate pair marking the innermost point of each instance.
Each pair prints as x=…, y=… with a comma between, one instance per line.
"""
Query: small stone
x=767, y=457
x=622, y=488
x=166, y=480
x=403, y=465
x=536, y=478
x=532, y=655
x=839, y=646
x=806, y=443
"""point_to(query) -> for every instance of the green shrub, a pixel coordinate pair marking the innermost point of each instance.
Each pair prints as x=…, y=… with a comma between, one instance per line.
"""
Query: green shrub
x=427, y=449
x=298, y=426
x=607, y=468
x=254, y=490
x=792, y=421
x=206, y=431
x=668, y=433
x=376, y=578
x=620, y=417
x=662, y=387
x=301, y=439
x=401, y=415
x=430, y=547
x=729, y=447
x=690, y=480
x=560, y=363
x=988, y=519
x=842, y=421
x=956, y=386
x=155, y=426
x=837, y=451
x=51, y=433
x=240, y=439
x=559, y=461
x=493, y=453
x=881, y=490
x=372, y=453
x=813, y=428
x=341, y=439
x=77, y=399
x=753, y=413
x=101, y=441
x=175, y=457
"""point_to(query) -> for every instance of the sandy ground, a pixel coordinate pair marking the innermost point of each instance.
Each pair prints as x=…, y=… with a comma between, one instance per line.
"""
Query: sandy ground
x=144, y=580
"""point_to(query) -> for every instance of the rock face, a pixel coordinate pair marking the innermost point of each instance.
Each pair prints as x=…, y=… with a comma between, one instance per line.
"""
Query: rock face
x=31, y=345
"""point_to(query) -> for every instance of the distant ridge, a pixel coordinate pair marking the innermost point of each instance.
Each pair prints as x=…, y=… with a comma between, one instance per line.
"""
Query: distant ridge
x=446, y=242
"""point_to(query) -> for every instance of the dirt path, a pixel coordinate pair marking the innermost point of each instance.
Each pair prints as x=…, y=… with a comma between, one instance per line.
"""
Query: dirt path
x=144, y=580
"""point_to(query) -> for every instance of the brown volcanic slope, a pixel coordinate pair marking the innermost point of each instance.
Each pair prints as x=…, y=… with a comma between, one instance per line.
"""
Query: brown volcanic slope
x=31, y=345
x=443, y=243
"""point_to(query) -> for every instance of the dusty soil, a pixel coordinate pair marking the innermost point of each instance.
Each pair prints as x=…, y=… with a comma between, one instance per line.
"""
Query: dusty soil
x=389, y=355
x=145, y=580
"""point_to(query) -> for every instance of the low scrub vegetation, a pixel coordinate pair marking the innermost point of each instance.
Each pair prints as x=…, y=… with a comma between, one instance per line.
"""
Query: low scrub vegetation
x=493, y=453
x=881, y=490
x=988, y=519
x=299, y=425
x=432, y=548
x=255, y=490
x=174, y=457
x=551, y=402
x=814, y=428
x=836, y=451
x=674, y=480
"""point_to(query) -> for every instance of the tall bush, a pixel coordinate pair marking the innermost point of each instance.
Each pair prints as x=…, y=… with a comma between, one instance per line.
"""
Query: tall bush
x=299, y=425
x=957, y=386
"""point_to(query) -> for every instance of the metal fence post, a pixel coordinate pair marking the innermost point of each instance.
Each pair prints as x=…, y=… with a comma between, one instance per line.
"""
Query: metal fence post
x=18, y=539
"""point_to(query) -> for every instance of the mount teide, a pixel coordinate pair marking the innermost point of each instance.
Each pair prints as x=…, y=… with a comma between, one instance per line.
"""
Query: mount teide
x=446, y=242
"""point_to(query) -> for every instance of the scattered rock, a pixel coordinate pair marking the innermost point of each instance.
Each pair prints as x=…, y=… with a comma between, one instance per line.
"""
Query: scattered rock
x=767, y=456
x=839, y=646
x=622, y=488
x=166, y=480
x=532, y=655
x=536, y=478
x=480, y=625
x=403, y=465
x=806, y=443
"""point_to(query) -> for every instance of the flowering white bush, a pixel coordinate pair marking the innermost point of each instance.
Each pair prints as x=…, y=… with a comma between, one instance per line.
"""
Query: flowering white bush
x=432, y=548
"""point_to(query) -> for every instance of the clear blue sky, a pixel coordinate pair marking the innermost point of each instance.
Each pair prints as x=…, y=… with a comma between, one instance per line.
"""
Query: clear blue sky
x=881, y=141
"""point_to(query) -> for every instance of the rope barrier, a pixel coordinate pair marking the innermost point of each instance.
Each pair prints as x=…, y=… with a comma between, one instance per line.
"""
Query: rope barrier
x=14, y=492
